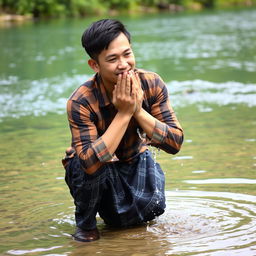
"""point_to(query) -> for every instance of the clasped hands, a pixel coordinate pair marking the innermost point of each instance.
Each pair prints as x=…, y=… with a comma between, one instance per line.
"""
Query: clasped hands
x=127, y=94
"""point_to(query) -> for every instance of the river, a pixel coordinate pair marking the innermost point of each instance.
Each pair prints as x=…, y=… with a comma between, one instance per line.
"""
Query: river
x=208, y=62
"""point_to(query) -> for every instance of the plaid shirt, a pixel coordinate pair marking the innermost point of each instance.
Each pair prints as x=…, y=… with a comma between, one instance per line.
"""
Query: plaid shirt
x=90, y=112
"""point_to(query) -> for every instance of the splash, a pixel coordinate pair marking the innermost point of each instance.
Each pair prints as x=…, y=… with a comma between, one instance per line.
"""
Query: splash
x=199, y=222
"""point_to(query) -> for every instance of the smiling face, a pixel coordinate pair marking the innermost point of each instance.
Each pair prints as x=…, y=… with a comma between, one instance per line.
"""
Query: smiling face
x=116, y=59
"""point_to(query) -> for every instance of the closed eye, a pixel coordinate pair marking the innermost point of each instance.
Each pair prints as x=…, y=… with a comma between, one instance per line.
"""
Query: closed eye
x=127, y=54
x=111, y=60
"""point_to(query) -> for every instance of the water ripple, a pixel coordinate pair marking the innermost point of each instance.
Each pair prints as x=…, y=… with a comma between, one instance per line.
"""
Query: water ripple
x=39, y=97
x=37, y=250
x=208, y=223
x=194, y=223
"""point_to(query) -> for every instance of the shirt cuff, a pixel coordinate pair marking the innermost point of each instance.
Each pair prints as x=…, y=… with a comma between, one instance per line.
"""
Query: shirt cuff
x=159, y=132
x=101, y=150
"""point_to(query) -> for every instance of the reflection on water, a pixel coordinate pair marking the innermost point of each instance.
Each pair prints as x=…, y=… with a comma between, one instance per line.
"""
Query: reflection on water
x=195, y=223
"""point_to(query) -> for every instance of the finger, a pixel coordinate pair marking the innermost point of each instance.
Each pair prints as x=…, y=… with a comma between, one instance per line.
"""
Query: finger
x=137, y=78
x=118, y=84
x=123, y=84
x=132, y=77
x=133, y=92
x=114, y=93
x=128, y=85
x=133, y=88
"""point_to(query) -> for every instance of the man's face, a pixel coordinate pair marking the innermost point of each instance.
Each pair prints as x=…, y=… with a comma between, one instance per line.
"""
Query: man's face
x=117, y=59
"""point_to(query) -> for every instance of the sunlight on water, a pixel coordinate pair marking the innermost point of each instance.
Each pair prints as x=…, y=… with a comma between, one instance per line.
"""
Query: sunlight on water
x=40, y=97
x=37, y=97
x=37, y=250
x=184, y=93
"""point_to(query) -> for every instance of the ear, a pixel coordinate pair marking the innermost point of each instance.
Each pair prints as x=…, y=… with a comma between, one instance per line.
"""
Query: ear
x=94, y=65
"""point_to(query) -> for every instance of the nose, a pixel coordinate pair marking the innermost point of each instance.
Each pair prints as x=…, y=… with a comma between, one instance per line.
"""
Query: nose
x=122, y=64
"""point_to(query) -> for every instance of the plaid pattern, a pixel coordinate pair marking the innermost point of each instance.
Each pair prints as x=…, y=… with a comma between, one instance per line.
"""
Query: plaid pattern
x=90, y=112
x=123, y=194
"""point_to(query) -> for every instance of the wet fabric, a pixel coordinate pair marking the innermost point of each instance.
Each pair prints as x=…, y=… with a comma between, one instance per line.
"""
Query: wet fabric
x=90, y=112
x=123, y=194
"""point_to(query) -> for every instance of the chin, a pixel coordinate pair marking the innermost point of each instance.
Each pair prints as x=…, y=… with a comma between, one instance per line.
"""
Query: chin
x=114, y=80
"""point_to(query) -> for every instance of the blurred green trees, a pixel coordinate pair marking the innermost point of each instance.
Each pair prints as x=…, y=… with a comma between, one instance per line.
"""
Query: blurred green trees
x=58, y=8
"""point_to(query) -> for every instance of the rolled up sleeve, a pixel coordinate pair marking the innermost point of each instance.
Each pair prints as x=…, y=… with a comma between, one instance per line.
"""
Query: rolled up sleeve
x=101, y=150
x=167, y=133
x=89, y=146
x=160, y=132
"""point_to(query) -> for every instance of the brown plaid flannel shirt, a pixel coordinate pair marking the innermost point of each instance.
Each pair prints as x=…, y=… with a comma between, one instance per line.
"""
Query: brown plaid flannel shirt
x=90, y=112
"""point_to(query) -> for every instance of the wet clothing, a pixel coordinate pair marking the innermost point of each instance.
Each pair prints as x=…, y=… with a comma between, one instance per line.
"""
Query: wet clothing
x=128, y=187
x=123, y=194
x=90, y=112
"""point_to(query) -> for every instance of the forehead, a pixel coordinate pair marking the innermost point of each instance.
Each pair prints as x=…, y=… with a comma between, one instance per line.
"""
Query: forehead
x=117, y=46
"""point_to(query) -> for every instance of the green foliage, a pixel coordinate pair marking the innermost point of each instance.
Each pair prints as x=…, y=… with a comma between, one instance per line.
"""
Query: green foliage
x=56, y=8
x=207, y=3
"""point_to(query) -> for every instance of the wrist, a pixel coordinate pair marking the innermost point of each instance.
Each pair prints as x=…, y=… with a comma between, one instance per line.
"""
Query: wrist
x=124, y=115
x=138, y=113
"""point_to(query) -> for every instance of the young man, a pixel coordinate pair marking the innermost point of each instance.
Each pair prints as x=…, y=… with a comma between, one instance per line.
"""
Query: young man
x=113, y=118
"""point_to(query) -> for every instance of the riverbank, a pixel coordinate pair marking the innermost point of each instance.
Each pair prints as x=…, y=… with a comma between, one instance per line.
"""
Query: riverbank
x=15, y=17
x=52, y=12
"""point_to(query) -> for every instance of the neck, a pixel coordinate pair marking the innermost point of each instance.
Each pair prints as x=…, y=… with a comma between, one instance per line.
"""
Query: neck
x=109, y=87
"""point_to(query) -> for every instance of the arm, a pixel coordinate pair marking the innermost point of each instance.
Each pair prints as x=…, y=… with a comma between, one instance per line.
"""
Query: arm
x=92, y=150
x=161, y=124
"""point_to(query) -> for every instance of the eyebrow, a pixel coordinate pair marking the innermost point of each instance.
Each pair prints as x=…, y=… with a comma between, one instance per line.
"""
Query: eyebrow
x=114, y=55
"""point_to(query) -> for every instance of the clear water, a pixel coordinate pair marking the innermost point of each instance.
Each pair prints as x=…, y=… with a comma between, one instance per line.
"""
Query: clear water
x=208, y=62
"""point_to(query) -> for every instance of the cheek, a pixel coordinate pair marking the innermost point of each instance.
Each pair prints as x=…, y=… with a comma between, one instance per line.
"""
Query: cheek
x=112, y=67
x=132, y=61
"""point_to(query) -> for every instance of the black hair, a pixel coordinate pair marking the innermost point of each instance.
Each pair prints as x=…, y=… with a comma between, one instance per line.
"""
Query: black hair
x=100, y=34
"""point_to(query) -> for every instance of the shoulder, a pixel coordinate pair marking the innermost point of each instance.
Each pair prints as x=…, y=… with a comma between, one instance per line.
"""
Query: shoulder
x=84, y=91
x=150, y=81
x=149, y=77
x=146, y=74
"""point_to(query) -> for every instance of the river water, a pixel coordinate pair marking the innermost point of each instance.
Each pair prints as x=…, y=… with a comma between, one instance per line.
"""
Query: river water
x=208, y=62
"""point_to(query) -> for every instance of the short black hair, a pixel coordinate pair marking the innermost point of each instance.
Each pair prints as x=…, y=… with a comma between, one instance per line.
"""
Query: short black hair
x=100, y=34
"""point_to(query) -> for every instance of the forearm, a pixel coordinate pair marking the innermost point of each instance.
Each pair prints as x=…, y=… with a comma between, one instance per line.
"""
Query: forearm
x=145, y=121
x=115, y=132
x=102, y=149
x=167, y=135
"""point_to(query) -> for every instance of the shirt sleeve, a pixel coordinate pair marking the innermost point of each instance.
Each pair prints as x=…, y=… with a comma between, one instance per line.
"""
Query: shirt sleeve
x=89, y=146
x=167, y=133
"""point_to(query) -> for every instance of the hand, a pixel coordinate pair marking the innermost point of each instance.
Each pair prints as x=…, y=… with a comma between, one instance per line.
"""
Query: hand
x=136, y=87
x=124, y=96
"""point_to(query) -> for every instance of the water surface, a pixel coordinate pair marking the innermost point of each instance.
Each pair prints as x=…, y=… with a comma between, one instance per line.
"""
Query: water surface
x=208, y=63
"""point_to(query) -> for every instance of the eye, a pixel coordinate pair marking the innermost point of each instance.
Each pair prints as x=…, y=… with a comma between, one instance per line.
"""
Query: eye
x=127, y=54
x=111, y=60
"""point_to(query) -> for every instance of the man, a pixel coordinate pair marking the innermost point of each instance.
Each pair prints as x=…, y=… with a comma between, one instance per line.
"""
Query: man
x=113, y=118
